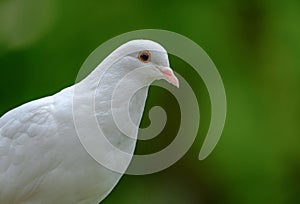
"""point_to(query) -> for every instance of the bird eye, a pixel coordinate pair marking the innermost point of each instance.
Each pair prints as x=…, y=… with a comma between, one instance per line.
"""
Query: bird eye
x=144, y=56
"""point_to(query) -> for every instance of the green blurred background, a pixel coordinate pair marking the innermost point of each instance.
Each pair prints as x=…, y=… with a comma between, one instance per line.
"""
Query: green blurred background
x=255, y=45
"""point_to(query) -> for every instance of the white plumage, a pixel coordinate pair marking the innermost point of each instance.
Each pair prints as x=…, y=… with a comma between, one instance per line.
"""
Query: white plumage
x=41, y=157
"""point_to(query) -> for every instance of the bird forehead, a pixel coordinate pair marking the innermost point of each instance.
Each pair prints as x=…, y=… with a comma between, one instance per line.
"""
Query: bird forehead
x=140, y=45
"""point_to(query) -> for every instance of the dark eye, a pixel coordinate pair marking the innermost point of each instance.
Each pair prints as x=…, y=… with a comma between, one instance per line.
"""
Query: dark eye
x=144, y=56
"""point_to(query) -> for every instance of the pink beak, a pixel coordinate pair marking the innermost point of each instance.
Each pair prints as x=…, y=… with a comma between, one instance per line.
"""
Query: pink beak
x=169, y=76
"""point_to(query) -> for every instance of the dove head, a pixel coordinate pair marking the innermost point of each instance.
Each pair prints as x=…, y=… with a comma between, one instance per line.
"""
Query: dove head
x=148, y=61
x=118, y=88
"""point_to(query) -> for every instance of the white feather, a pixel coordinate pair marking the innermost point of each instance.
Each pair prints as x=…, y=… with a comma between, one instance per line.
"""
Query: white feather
x=41, y=157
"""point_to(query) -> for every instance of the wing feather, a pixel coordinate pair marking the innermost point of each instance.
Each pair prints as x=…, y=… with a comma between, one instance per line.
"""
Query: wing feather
x=27, y=128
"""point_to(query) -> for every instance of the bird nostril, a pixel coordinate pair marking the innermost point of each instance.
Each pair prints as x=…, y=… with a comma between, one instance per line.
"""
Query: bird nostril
x=167, y=72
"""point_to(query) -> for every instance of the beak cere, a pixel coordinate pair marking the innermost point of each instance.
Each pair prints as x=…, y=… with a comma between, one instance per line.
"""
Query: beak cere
x=169, y=76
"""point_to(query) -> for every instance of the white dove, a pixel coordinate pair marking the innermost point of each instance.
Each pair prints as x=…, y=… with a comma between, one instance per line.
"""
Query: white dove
x=41, y=157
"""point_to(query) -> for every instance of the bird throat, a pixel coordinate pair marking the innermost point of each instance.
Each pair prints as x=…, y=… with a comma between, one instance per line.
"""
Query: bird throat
x=119, y=131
